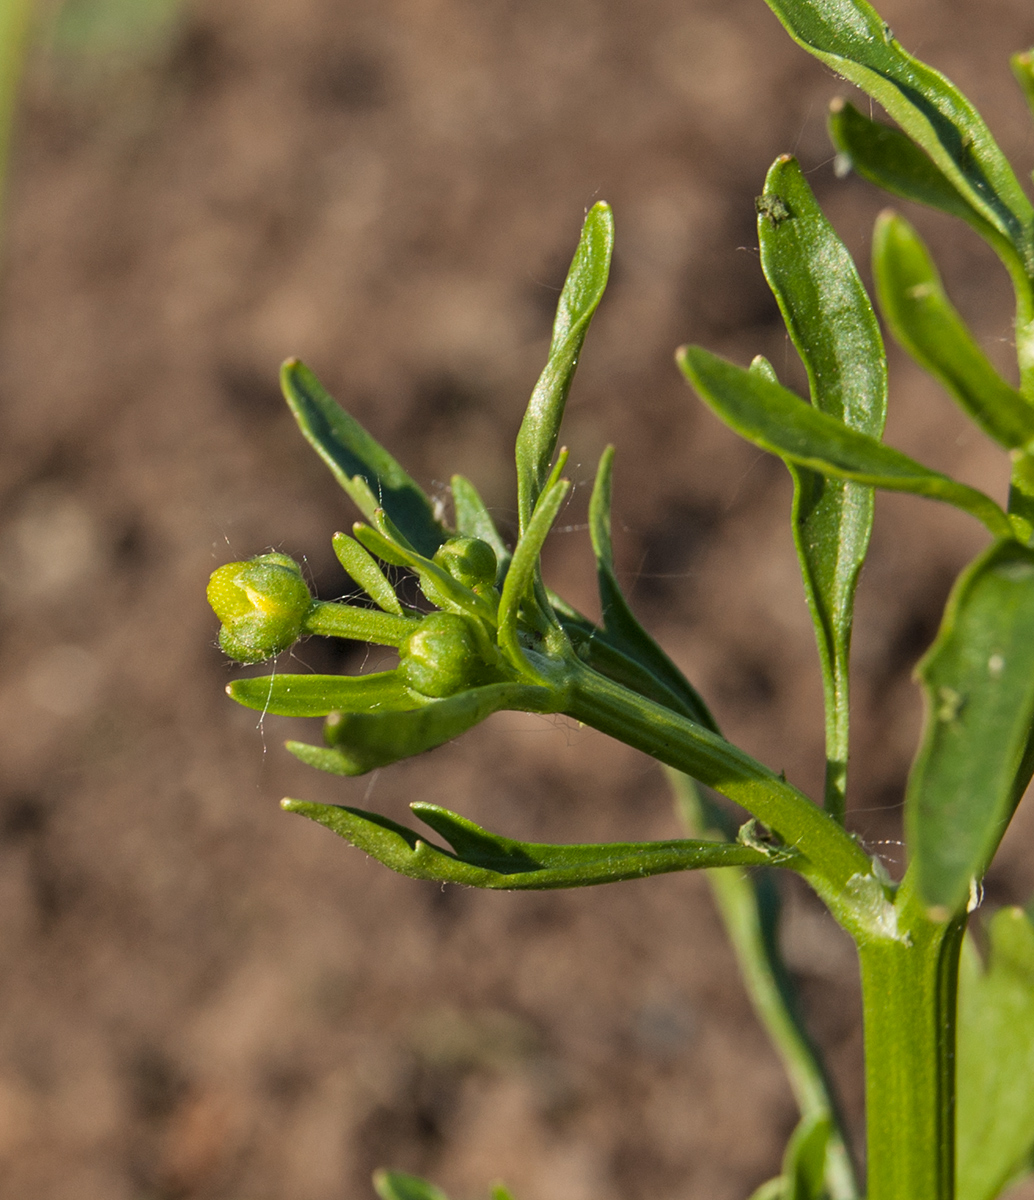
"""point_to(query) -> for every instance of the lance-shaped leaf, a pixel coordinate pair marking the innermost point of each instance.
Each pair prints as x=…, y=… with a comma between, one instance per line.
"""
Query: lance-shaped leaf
x=890, y=159
x=851, y=38
x=362, y=567
x=971, y=769
x=358, y=742
x=927, y=325
x=367, y=472
x=474, y=520
x=487, y=860
x=520, y=585
x=775, y=419
x=582, y=292
x=621, y=630
x=320, y=695
x=396, y=1185
x=328, y=619
x=830, y=321
x=995, y=1059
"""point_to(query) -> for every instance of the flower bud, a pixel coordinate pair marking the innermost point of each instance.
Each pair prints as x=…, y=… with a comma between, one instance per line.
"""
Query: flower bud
x=262, y=604
x=469, y=560
x=440, y=657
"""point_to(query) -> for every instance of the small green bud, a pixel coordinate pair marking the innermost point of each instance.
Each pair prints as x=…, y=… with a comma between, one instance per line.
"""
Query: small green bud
x=469, y=560
x=440, y=657
x=262, y=604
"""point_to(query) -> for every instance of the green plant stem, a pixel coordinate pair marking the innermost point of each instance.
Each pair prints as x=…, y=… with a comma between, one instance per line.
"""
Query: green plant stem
x=836, y=866
x=909, y=998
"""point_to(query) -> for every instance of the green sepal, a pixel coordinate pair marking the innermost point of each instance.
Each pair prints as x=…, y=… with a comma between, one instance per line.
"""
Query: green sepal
x=367, y=472
x=972, y=766
x=320, y=695
x=621, y=630
x=474, y=520
x=263, y=605
x=925, y=322
x=995, y=1060
x=360, y=742
x=778, y=421
x=582, y=292
x=891, y=160
x=362, y=567
x=487, y=860
x=850, y=37
x=396, y=1185
x=519, y=588
x=831, y=322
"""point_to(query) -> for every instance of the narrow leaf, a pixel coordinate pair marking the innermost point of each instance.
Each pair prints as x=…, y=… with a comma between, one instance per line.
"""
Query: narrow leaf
x=1023, y=68
x=927, y=325
x=582, y=292
x=804, y=1165
x=995, y=1060
x=621, y=629
x=978, y=680
x=367, y=472
x=778, y=421
x=519, y=588
x=328, y=619
x=890, y=159
x=487, y=860
x=474, y=520
x=395, y=1185
x=831, y=323
x=360, y=565
x=360, y=741
x=851, y=38
x=320, y=695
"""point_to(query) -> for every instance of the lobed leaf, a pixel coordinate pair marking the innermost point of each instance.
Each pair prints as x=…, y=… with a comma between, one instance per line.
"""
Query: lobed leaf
x=358, y=742
x=320, y=695
x=776, y=420
x=851, y=38
x=474, y=520
x=995, y=1060
x=581, y=294
x=624, y=636
x=831, y=323
x=487, y=860
x=927, y=325
x=367, y=472
x=890, y=159
x=972, y=766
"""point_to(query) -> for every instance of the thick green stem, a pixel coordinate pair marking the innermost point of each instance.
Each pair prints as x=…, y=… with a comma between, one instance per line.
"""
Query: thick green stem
x=909, y=998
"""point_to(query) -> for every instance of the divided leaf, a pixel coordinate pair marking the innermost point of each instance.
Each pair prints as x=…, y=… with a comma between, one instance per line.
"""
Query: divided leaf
x=927, y=325
x=487, y=860
x=776, y=420
x=995, y=1060
x=582, y=292
x=851, y=38
x=972, y=766
x=367, y=472
x=830, y=320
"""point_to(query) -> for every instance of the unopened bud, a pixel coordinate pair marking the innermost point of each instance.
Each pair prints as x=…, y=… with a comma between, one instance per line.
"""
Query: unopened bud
x=440, y=657
x=262, y=604
x=469, y=560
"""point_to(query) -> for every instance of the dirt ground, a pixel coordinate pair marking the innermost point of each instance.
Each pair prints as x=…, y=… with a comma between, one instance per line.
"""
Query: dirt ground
x=205, y=998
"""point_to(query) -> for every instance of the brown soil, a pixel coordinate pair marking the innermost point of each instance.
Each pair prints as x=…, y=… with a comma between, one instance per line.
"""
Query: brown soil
x=203, y=997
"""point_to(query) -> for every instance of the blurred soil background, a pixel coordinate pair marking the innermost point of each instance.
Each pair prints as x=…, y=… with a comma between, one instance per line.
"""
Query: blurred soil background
x=202, y=997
